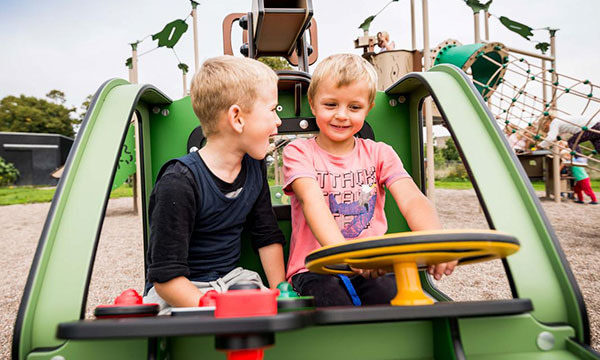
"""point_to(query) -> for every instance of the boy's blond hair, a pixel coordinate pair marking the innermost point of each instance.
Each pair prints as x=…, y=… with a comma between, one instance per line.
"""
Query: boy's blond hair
x=344, y=69
x=224, y=81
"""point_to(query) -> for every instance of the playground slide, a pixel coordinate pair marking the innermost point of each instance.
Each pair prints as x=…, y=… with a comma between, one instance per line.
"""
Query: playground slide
x=539, y=271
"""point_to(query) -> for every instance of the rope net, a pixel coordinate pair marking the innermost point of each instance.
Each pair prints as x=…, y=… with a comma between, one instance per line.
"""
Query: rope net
x=537, y=107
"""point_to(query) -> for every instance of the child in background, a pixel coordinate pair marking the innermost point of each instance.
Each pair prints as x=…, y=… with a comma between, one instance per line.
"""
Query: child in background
x=582, y=182
x=203, y=200
x=383, y=41
x=336, y=183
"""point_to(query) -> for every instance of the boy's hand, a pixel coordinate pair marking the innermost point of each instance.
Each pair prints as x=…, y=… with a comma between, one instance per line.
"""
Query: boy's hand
x=369, y=273
x=442, y=269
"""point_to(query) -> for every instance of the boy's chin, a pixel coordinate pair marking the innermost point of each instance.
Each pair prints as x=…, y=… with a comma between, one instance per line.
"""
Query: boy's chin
x=258, y=156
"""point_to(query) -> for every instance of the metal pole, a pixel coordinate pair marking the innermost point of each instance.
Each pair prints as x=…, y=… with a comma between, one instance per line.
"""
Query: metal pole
x=428, y=109
x=486, y=18
x=412, y=25
x=476, y=27
x=555, y=150
x=195, y=21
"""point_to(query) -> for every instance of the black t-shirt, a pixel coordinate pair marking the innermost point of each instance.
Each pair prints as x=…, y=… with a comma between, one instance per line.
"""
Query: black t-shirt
x=173, y=212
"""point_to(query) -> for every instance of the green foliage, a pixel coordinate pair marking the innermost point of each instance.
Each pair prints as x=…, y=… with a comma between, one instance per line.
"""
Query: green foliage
x=275, y=62
x=85, y=105
x=450, y=152
x=8, y=173
x=30, y=195
x=30, y=114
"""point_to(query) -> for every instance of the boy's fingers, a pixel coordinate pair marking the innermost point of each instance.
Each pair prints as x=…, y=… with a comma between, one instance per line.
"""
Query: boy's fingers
x=439, y=270
x=450, y=267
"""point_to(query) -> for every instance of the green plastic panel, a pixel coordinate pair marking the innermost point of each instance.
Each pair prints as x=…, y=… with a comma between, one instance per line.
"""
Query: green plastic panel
x=409, y=340
x=511, y=204
x=59, y=277
x=512, y=337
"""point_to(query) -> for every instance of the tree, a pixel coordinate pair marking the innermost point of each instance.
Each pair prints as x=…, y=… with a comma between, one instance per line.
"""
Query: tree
x=276, y=63
x=30, y=114
x=57, y=96
x=450, y=152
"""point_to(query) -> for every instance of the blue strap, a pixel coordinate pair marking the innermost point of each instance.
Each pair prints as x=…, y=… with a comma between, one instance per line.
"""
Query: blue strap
x=351, y=290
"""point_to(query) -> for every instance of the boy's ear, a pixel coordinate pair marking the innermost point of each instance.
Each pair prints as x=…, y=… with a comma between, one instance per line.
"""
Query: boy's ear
x=234, y=118
x=310, y=104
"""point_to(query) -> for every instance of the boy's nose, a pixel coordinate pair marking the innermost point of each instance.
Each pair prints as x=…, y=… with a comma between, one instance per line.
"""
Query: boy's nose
x=342, y=113
x=278, y=121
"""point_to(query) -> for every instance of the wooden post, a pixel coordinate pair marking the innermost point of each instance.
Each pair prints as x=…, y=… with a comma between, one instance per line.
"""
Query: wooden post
x=555, y=150
x=486, y=22
x=476, y=27
x=428, y=108
x=134, y=64
x=195, y=21
x=413, y=31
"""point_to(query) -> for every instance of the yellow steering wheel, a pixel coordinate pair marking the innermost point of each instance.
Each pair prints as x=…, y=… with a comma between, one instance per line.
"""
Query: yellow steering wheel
x=405, y=253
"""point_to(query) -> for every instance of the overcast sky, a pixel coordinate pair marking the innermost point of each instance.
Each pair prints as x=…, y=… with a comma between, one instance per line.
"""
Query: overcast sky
x=74, y=46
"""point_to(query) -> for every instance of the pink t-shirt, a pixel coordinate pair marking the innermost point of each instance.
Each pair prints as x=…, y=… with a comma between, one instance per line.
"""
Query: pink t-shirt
x=352, y=187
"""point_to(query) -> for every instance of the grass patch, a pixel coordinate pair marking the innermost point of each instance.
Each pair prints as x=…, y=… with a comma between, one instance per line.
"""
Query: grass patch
x=34, y=194
x=457, y=185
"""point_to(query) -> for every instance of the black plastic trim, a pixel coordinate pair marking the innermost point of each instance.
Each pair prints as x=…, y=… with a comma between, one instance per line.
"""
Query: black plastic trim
x=413, y=239
x=165, y=326
x=443, y=309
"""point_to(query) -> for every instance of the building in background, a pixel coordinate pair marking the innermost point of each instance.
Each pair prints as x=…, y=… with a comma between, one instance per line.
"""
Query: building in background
x=35, y=155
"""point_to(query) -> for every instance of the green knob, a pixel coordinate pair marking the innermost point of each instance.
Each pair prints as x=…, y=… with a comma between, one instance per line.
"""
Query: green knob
x=590, y=95
x=567, y=90
x=537, y=137
x=586, y=82
x=584, y=128
x=286, y=290
x=546, y=113
x=573, y=153
x=594, y=152
x=506, y=122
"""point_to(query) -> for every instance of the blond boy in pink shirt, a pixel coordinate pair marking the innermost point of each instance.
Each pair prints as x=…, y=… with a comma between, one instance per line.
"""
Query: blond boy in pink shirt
x=336, y=184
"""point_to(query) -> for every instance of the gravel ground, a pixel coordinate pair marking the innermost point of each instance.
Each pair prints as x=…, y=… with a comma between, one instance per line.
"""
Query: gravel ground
x=119, y=263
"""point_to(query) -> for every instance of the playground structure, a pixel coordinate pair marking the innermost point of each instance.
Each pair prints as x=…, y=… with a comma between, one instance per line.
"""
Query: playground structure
x=545, y=319
x=524, y=91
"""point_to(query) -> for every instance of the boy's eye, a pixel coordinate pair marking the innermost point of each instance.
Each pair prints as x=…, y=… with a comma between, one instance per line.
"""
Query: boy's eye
x=330, y=104
x=355, y=107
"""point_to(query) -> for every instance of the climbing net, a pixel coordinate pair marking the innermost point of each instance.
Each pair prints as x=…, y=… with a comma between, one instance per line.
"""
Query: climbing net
x=525, y=98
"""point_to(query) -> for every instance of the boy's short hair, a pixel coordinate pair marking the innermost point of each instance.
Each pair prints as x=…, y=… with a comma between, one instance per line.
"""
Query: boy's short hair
x=344, y=69
x=224, y=81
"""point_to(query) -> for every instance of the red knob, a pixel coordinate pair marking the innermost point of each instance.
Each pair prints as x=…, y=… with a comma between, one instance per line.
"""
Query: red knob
x=208, y=299
x=129, y=297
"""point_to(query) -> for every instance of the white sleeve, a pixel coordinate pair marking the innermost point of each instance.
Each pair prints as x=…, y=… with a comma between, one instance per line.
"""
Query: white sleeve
x=552, y=134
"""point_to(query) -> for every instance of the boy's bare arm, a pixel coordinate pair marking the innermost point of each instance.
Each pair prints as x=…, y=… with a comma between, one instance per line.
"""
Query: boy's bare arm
x=416, y=208
x=179, y=292
x=317, y=214
x=420, y=215
x=271, y=257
